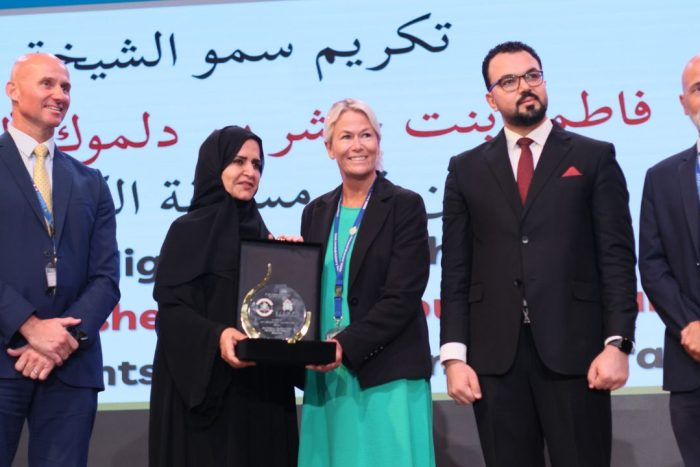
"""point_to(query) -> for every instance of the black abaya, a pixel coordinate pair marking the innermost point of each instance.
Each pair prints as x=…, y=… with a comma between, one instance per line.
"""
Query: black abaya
x=204, y=412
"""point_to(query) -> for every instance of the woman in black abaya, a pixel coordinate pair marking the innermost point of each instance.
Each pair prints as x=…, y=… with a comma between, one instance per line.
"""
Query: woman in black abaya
x=208, y=408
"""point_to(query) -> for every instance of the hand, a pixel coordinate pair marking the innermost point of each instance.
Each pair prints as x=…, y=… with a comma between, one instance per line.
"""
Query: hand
x=609, y=370
x=289, y=238
x=227, y=345
x=690, y=339
x=31, y=363
x=333, y=365
x=49, y=337
x=462, y=382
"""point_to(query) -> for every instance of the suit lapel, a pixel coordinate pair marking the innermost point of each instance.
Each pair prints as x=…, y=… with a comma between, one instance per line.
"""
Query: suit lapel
x=496, y=155
x=373, y=221
x=62, y=186
x=689, y=195
x=322, y=218
x=9, y=154
x=556, y=147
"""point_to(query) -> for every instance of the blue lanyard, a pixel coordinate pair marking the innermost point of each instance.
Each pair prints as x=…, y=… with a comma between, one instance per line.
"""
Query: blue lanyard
x=338, y=260
x=697, y=174
x=48, y=217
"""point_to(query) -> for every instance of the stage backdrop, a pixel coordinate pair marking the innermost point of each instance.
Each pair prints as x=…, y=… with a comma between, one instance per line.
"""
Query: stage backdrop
x=152, y=80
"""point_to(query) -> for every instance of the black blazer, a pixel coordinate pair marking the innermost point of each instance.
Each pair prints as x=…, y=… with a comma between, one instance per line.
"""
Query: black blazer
x=669, y=258
x=387, y=338
x=569, y=251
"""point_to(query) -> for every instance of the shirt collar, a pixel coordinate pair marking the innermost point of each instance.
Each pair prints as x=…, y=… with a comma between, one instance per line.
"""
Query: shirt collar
x=539, y=135
x=26, y=143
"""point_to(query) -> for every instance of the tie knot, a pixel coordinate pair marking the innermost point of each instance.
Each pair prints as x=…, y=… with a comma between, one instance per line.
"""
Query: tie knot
x=41, y=151
x=524, y=142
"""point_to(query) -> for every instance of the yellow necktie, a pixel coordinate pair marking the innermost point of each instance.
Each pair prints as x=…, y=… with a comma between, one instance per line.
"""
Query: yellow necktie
x=41, y=177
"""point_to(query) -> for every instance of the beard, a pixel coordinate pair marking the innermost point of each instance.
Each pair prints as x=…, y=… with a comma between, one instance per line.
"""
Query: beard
x=531, y=114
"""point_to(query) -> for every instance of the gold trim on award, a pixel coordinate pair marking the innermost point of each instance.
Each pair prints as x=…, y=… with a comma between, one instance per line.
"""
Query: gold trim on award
x=274, y=311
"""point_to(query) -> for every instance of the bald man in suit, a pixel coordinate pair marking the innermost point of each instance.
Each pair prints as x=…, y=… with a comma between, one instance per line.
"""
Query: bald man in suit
x=59, y=274
x=669, y=263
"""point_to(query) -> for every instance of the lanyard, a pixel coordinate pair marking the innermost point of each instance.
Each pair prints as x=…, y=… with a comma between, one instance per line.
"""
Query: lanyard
x=697, y=174
x=48, y=217
x=50, y=268
x=338, y=260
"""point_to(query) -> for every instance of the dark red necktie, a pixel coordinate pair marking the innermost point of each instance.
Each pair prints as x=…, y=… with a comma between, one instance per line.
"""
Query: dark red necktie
x=526, y=167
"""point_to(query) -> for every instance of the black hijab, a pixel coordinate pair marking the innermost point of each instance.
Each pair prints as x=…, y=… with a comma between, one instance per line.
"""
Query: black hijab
x=206, y=239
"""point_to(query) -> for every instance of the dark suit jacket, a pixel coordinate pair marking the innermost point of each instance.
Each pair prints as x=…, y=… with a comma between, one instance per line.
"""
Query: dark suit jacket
x=569, y=251
x=669, y=258
x=387, y=338
x=88, y=267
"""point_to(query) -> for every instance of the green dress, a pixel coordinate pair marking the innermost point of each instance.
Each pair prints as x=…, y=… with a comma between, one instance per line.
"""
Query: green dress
x=345, y=425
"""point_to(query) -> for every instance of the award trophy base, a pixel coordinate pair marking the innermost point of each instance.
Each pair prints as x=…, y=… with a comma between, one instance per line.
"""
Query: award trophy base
x=280, y=352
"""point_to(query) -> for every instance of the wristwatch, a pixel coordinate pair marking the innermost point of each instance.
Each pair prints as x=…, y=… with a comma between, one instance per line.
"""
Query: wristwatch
x=624, y=344
x=79, y=336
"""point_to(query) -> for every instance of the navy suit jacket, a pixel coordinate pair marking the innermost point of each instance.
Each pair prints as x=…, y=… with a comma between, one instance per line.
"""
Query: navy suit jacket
x=569, y=251
x=669, y=258
x=88, y=265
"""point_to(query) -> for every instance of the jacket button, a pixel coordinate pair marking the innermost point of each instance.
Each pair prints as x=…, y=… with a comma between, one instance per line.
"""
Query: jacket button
x=517, y=283
x=353, y=301
x=525, y=240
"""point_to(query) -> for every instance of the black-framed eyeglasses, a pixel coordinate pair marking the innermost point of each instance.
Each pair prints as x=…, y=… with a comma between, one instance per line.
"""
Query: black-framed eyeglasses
x=510, y=83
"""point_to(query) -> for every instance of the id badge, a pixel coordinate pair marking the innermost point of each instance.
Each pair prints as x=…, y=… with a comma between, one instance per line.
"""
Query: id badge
x=51, y=278
x=334, y=332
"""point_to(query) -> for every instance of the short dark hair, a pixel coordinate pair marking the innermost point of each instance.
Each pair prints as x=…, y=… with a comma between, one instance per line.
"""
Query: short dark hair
x=509, y=47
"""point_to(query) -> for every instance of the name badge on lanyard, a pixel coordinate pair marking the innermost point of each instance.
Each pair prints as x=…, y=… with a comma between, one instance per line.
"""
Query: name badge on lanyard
x=51, y=279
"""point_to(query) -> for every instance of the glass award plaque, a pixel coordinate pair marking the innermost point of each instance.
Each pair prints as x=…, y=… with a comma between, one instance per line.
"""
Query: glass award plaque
x=279, y=303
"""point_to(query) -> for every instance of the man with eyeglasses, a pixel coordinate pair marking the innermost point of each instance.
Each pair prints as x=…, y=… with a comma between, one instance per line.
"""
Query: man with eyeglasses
x=538, y=278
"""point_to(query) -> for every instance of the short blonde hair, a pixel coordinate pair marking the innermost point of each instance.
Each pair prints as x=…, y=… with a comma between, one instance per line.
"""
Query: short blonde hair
x=339, y=108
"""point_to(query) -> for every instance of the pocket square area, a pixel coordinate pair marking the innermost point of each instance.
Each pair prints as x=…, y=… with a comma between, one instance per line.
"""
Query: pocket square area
x=571, y=172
